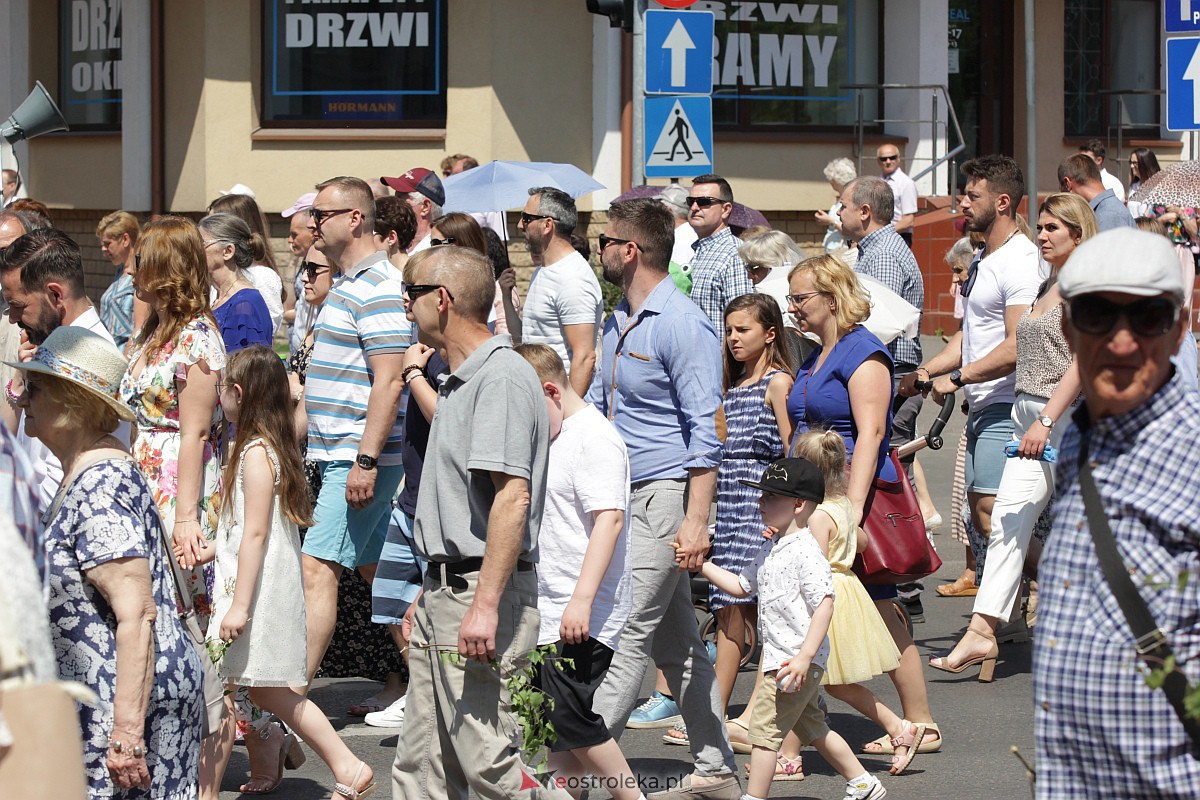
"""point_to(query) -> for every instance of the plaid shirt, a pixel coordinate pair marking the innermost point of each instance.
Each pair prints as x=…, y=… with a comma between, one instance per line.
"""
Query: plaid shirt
x=718, y=276
x=883, y=255
x=1100, y=731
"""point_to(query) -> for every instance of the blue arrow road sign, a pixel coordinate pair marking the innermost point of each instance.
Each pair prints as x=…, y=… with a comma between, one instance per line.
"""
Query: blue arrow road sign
x=1182, y=16
x=1183, y=84
x=678, y=137
x=679, y=52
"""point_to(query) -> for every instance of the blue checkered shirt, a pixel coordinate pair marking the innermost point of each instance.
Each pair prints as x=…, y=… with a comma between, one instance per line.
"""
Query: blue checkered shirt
x=718, y=276
x=1100, y=731
x=884, y=256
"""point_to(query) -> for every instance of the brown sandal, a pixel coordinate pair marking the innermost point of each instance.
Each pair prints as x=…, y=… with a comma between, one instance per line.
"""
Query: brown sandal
x=963, y=586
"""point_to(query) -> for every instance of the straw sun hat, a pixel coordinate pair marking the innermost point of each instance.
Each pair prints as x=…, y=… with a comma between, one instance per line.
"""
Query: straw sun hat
x=85, y=359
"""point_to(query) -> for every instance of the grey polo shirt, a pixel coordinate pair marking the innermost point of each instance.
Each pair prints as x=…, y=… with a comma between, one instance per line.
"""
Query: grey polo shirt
x=491, y=417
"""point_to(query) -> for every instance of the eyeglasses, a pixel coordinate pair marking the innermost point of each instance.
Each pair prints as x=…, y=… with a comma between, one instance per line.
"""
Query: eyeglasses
x=319, y=215
x=605, y=241
x=528, y=218
x=885, y=159
x=1096, y=316
x=798, y=299
x=414, y=290
x=439, y=242
x=311, y=270
x=703, y=202
x=211, y=242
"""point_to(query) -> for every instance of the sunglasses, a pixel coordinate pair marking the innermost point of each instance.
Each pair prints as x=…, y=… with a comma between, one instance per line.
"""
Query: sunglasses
x=319, y=215
x=605, y=241
x=414, y=290
x=703, y=202
x=885, y=159
x=1096, y=316
x=311, y=270
x=440, y=242
x=527, y=218
x=972, y=273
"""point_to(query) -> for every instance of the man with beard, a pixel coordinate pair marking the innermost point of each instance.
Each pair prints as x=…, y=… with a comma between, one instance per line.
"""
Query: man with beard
x=662, y=395
x=981, y=359
x=563, y=306
x=41, y=274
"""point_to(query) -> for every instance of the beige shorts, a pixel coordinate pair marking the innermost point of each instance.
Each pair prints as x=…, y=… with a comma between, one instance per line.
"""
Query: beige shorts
x=776, y=712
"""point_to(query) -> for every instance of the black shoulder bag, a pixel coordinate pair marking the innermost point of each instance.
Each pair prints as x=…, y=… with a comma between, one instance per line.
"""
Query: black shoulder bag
x=1150, y=642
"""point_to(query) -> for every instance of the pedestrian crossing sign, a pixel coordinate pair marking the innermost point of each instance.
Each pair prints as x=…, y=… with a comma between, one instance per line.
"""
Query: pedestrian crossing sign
x=678, y=137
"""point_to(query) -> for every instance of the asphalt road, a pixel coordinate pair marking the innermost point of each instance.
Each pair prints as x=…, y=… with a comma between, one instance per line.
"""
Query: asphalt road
x=981, y=723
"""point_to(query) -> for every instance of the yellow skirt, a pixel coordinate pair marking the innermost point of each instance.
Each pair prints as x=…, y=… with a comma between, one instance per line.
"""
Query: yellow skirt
x=860, y=646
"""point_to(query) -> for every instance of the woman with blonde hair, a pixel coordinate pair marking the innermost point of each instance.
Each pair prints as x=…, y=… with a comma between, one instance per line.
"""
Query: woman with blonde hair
x=120, y=311
x=1048, y=384
x=845, y=385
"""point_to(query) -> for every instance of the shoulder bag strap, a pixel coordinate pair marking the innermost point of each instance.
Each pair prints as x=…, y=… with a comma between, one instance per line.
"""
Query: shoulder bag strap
x=1150, y=642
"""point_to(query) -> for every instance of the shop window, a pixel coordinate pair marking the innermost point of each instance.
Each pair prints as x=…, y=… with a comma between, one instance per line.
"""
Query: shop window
x=89, y=64
x=373, y=63
x=784, y=66
x=1111, y=45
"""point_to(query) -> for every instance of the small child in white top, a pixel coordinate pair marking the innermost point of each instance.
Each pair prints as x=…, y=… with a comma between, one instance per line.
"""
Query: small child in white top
x=585, y=589
x=795, y=596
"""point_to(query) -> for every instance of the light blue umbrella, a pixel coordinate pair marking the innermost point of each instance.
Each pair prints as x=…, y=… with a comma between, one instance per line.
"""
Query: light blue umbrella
x=505, y=185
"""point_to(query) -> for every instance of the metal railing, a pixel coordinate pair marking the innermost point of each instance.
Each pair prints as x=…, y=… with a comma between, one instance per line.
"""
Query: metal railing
x=939, y=127
x=1123, y=122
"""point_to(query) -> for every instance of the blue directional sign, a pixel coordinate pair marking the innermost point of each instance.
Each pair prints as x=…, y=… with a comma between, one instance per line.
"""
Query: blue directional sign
x=1182, y=16
x=1183, y=84
x=679, y=52
x=678, y=137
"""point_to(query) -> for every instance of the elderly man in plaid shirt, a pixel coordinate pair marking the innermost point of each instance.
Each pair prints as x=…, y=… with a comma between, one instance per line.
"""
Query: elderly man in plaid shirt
x=1101, y=732
x=718, y=274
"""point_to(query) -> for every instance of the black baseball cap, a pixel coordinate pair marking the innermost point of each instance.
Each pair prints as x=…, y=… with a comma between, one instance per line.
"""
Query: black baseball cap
x=792, y=477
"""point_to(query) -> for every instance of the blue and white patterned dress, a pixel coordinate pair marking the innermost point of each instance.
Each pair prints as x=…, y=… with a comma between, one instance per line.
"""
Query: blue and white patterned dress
x=752, y=442
x=109, y=513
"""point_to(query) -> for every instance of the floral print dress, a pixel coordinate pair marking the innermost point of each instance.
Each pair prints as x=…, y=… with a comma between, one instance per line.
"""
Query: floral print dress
x=154, y=397
x=107, y=513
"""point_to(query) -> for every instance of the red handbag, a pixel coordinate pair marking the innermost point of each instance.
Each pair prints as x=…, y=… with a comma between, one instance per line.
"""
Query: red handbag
x=898, y=550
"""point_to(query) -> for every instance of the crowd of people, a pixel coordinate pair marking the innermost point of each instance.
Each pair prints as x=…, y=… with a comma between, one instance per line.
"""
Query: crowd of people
x=438, y=476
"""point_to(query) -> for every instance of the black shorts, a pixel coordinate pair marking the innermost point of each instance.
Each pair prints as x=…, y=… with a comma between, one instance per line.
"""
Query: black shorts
x=572, y=689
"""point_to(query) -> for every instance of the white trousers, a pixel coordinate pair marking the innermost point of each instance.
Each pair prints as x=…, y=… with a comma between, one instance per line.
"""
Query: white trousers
x=1025, y=489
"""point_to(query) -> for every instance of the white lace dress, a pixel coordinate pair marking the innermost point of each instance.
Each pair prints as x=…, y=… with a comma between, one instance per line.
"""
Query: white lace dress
x=272, y=649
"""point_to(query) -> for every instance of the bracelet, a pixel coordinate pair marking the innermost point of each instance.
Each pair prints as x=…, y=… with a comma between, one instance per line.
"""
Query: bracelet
x=13, y=397
x=420, y=374
x=181, y=521
x=136, y=751
x=410, y=368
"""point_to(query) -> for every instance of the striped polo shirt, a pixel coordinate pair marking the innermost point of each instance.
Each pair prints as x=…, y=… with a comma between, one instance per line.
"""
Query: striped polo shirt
x=362, y=316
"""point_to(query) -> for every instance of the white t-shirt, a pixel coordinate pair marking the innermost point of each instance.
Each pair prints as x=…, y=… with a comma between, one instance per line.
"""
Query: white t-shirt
x=791, y=577
x=904, y=192
x=1008, y=277
x=683, y=252
x=563, y=293
x=1111, y=181
x=588, y=471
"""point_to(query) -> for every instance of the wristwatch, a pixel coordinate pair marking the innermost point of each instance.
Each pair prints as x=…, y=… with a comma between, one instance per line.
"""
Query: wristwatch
x=956, y=378
x=1047, y=421
x=366, y=462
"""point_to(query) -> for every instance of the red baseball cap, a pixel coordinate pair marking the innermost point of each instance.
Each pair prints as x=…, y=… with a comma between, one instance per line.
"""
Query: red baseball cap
x=419, y=179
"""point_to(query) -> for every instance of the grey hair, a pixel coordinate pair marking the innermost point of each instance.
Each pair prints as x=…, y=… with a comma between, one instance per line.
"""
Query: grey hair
x=435, y=211
x=840, y=171
x=558, y=204
x=876, y=193
x=961, y=252
x=231, y=229
x=770, y=249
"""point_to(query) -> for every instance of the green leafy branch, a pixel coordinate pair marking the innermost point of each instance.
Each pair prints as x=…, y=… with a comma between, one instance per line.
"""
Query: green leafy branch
x=1156, y=677
x=530, y=704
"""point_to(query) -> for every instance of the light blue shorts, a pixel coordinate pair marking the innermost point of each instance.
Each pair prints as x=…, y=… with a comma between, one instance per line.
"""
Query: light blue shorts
x=988, y=430
x=352, y=537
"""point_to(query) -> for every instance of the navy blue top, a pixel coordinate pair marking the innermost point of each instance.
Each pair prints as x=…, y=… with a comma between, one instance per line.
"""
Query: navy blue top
x=244, y=320
x=416, y=438
x=822, y=399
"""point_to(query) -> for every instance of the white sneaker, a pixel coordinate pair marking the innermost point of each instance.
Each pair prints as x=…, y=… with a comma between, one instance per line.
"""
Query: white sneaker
x=870, y=789
x=390, y=717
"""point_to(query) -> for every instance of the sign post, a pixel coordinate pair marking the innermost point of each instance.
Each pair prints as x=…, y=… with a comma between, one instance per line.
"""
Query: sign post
x=679, y=83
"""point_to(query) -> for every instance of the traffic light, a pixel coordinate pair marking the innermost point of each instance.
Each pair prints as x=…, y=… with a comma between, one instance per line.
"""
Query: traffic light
x=619, y=12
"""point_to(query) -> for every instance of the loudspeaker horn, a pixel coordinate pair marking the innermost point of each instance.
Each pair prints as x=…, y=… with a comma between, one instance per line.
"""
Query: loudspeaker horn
x=36, y=115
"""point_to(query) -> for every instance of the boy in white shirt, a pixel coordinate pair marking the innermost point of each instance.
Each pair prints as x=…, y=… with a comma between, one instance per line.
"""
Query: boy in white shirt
x=795, y=604
x=585, y=589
